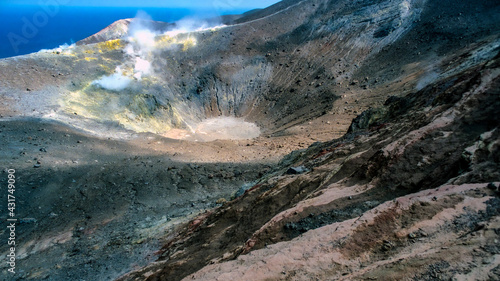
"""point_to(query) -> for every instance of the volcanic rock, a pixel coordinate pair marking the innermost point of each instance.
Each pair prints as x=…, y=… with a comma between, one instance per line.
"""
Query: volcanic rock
x=399, y=177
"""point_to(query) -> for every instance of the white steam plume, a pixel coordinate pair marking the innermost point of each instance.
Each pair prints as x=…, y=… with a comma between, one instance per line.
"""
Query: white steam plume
x=141, y=34
x=62, y=49
x=428, y=78
x=187, y=25
x=141, y=46
x=140, y=52
x=141, y=67
x=114, y=82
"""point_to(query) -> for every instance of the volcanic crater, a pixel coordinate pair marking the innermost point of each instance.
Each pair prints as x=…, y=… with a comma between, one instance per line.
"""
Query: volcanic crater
x=311, y=140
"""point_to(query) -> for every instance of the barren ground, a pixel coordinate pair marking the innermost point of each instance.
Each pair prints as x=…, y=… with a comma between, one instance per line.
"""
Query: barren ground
x=378, y=157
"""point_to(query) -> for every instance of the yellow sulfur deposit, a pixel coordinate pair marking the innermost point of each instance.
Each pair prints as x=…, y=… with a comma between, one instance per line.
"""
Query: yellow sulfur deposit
x=188, y=43
x=110, y=45
x=142, y=124
x=166, y=41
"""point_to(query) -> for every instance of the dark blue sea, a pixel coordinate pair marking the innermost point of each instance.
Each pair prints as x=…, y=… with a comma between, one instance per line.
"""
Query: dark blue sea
x=28, y=29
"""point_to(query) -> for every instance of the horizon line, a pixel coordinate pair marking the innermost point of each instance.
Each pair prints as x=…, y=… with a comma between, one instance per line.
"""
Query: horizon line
x=110, y=5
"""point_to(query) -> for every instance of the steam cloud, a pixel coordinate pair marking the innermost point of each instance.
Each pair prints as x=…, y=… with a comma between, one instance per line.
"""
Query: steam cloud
x=141, y=49
x=189, y=25
x=142, y=36
x=114, y=82
x=64, y=49
x=427, y=79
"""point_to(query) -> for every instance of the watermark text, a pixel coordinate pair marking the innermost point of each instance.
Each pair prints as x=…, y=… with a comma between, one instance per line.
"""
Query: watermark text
x=11, y=221
x=31, y=25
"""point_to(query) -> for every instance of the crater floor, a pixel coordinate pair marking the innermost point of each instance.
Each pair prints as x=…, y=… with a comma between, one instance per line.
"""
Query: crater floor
x=311, y=140
x=220, y=128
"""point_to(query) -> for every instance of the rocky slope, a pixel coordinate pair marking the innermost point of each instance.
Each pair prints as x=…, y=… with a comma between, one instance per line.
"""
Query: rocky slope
x=410, y=194
x=391, y=109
